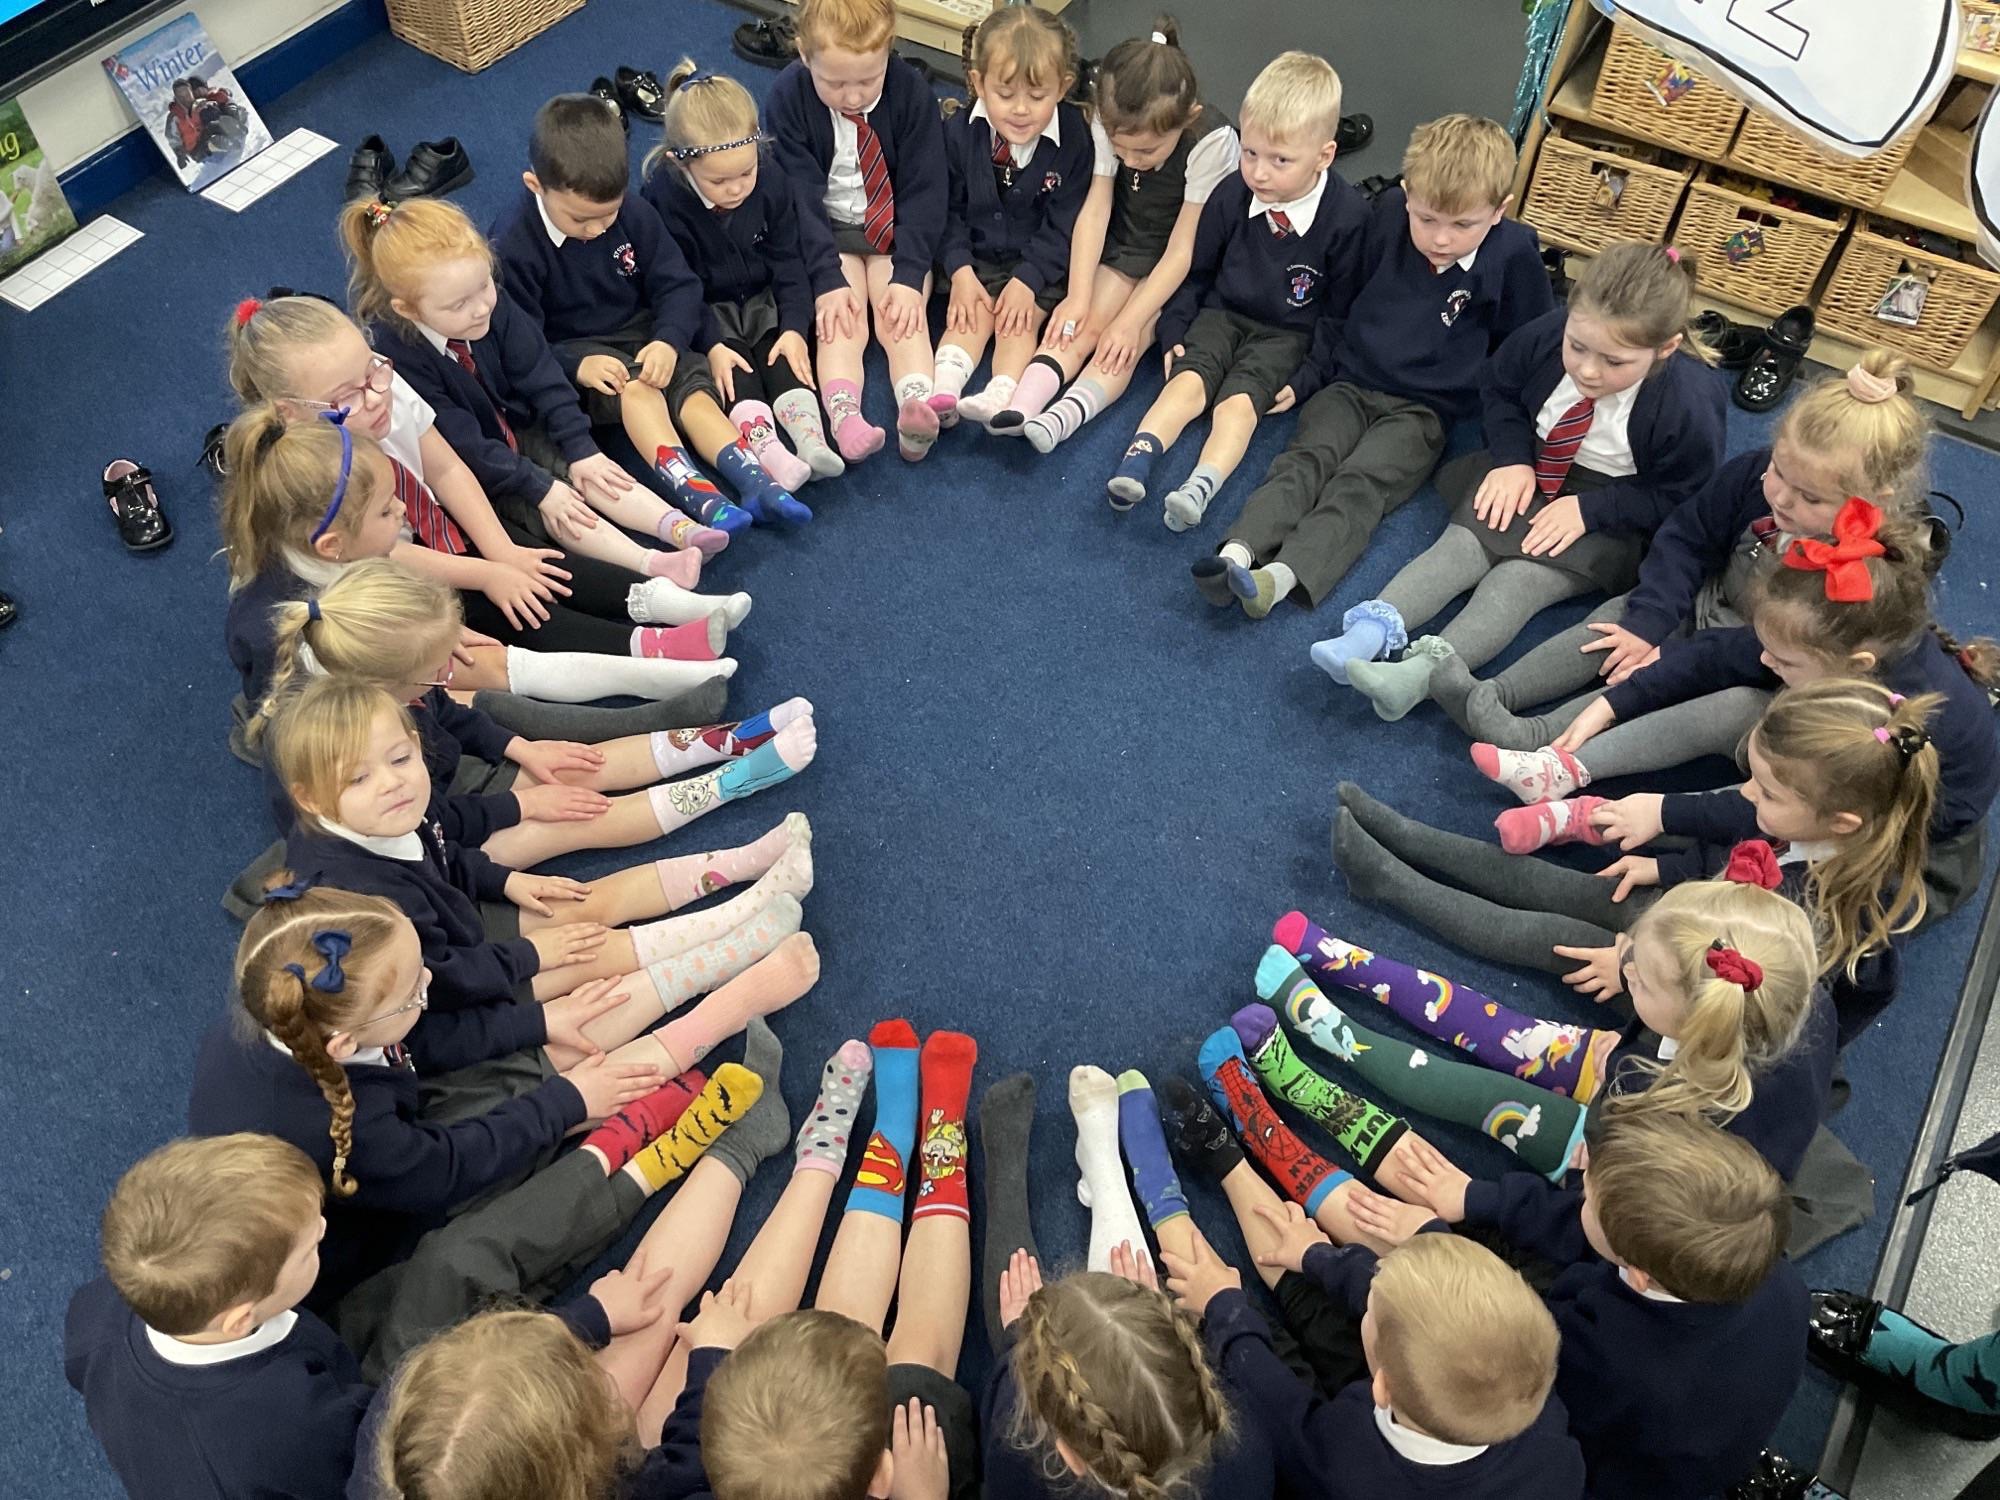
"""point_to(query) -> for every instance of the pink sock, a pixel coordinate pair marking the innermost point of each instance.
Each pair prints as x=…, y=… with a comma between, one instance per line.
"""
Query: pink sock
x=679, y=978
x=671, y=937
x=853, y=434
x=693, y=876
x=1544, y=775
x=916, y=427
x=683, y=568
x=678, y=529
x=1523, y=830
x=698, y=640
x=764, y=988
x=759, y=430
x=1036, y=388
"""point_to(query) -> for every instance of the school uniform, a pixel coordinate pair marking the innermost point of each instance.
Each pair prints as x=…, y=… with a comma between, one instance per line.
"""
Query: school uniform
x=822, y=153
x=1347, y=1448
x=1145, y=206
x=1702, y=560
x=611, y=295
x=1669, y=1399
x=1379, y=389
x=1011, y=209
x=271, y=1413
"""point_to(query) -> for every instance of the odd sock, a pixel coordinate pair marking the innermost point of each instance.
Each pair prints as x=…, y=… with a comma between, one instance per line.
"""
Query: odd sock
x=767, y=986
x=954, y=368
x=1304, y=1176
x=678, y=803
x=1035, y=389
x=672, y=982
x=1145, y=1148
x=583, y=676
x=883, y=1174
x=1523, y=830
x=1084, y=400
x=1093, y=1101
x=1187, y=502
x=670, y=937
x=683, y=568
x=945, y=1071
x=697, y=640
x=1127, y=487
x=857, y=436
x=660, y=601
x=693, y=876
x=679, y=750
x=989, y=403
x=757, y=425
x=798, y=414
x=624, y=1135
x=724, y=1099
x=829, y=1124
x=1544, y=775
x=1365, y=1130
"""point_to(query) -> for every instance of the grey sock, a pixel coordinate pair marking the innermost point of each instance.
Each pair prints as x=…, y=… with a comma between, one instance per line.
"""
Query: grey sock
x=1487, y=718
x=1006, y=1118
x=1188, y=501
x=767, y=1129
x=1452, y=685
x=705, y=703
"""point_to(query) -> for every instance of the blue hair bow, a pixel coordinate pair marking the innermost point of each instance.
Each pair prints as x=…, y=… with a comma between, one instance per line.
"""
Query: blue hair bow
x=693, y=78
x=332, y=945
x=291, y=892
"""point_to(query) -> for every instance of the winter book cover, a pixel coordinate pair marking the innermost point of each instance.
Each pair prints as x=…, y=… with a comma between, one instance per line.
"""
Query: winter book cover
x=188, y=101
x=34, y=214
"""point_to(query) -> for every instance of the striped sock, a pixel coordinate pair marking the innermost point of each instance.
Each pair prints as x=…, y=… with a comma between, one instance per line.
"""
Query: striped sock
x=1084, y=400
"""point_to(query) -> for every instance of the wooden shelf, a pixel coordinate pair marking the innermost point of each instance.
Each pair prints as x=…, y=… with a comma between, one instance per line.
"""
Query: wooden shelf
x=1980, y=67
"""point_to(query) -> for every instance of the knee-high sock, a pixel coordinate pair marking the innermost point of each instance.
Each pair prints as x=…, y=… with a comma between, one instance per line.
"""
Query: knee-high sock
x=673, y=982
x=690, y=877
x=1145, y=1146
x=945, y=1067
x=1541, y=1128
x=791, y=874
x=535, y=720
x=767, y=986
x=580, y=676
x=1561, y=1058
x=678, y=803
x=1093, y=1100
x=1365, y=1130
x=1301, y=1173
x=883, y=1175
x=1006, y=1123
x=1963, y=1375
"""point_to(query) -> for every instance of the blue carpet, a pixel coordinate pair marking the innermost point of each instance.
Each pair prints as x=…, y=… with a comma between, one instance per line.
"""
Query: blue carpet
x=1058, y=802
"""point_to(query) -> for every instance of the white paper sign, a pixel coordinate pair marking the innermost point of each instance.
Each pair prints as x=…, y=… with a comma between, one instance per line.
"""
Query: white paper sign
x=1852, y=74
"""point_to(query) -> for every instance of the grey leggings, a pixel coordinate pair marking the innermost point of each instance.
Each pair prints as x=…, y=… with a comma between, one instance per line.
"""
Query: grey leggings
x=1506, y=594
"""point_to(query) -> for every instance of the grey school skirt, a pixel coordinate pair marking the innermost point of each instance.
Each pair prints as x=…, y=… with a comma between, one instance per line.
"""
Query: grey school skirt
x=1608, y=560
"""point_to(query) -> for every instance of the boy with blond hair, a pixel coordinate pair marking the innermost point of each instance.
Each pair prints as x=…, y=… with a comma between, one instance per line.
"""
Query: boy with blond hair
x=198, y=1374
x=1444, y=277
x=1275, y=255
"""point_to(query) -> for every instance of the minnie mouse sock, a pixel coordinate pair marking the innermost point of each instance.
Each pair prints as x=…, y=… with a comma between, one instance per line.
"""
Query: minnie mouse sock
x=757, y=424
x=1523, y=830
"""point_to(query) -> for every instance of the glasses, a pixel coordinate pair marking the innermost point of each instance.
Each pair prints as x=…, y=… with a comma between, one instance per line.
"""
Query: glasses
x=419, y=1002
x=380, y=374
x=444, y=677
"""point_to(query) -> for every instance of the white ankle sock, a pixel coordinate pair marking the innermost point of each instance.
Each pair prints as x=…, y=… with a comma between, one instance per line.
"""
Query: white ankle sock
x=1237, y=553
x=954, y=368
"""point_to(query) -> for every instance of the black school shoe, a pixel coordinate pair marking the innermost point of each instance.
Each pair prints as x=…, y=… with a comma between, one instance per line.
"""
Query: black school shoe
x=1735, y=344
x=128, y=490
x=369, y=170
x=1770, y=373
x=1837, y=1334
x=640, y=92
x=600, y=88
x=1777, y=1478
x=213, y=457
x=1353, y=132
x=769, y=44
x=434, y=168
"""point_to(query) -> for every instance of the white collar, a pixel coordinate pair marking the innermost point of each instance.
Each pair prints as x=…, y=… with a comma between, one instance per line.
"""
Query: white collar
x=1668, y=1049
x=1051, y=132
x=310, y=567
x=361, y=1057
x=1651, y=1293
x=1464, y=262
x=405, y=846
x=556, y=236
x=437, y=340
x=706, y=201
x=1301, y=211
x=1802, y=852
x=1421, y=1447
x=179, y=1352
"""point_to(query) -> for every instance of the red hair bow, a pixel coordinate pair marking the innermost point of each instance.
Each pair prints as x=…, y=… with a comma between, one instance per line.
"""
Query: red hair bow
x=1752, y=862
x=1727, y=964
x=246, y=310
x=1844, y=560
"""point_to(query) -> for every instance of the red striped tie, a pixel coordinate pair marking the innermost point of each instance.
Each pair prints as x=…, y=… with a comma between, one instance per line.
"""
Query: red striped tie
x=432, y=526
x=461, y=351
x=1281, y=225
x=878, y=224
x=1559, y=447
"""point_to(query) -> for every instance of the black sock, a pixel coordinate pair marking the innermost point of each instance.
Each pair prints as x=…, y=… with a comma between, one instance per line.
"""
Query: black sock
x=1201, y=1138
x=1006, y=1118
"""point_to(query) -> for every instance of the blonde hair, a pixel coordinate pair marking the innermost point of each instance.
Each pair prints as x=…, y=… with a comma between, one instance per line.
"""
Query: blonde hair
x=1699, y=1211
x=377, y=623
x=262, y=336
x=1791, y=604
x=1468, y=1347
x=206, y=1224
x=1118, y=1374
x=1727, y=1034
x=851, y=25
x=390, y=247
x=508, y=1403
x=1459, y=164
x=1146, y=85
x=276, y=963
x=700, y=112
x=1019, y=41
x=1846, y=744
x=1645, y=293
x=1887, y=439
x=1296, y=99
x=282, y=476
x=800, y=1411
x=318, y=733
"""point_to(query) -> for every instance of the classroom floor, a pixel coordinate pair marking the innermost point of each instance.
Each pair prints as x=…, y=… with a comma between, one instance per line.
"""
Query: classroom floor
x=1058, y=802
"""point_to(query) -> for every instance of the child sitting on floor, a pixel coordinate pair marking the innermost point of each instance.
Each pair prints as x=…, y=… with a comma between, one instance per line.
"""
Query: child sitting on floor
x=198, y=1370
x=596, y=268
x=1441, y=280
x=1277, y=254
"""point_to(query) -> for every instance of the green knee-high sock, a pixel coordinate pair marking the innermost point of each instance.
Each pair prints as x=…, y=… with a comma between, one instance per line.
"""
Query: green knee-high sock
x=1540, y=1127
x=1365, y=1131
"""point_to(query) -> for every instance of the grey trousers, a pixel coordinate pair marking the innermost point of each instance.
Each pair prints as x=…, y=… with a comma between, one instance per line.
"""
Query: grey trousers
x=1506, y=593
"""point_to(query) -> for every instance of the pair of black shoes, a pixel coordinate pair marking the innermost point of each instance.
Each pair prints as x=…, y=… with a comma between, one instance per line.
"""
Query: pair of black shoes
x=632, y=91
x=433, y=169
x=1769, y=358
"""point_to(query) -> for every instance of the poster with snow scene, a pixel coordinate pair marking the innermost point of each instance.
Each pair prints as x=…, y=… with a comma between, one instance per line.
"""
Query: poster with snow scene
x=188, y=101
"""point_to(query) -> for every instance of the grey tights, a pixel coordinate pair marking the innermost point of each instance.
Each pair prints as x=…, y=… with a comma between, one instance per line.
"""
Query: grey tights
x=1506, y=595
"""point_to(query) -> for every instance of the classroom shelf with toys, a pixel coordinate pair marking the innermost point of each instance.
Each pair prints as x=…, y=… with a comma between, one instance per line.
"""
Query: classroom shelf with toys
x=1628, y=146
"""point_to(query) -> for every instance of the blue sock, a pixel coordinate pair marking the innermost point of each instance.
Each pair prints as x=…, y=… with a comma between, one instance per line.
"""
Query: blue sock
x=1222, y=1044
x=1241, y=584
x=1145, y=1146
x=767, y=500
x=760, y=770
x=1368, y=632
x=755, y=727
x=1128, y=485
x=884, y=1171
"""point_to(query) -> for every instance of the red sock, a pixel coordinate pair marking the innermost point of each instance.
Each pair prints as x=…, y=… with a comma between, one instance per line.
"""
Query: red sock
x=1297, y=1168
x=946, y=1070
x=634, y=1127
x=688, y=642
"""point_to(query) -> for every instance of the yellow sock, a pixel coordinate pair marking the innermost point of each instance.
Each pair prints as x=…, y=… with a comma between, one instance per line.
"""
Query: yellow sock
x=730, y=1092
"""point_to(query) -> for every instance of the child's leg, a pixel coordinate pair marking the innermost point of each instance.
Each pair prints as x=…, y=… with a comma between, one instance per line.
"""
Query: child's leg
x=936, y=1283
x=1713, y=724
x=716, y=439
x=766, y=985
x=1181, y=400
x=636, y=760
x=1550, y=671
x=840, y=367
x=1378, y=628
x=860, y=1276
x=958, y=354
x=533, y=719
x=643, y=410
x=1230, y=428
x=751, y=413
x=1114, y=1221
x=638, y=509
x=1505, y=600
x=1955, y=1374
x=1094, y=388
x=1306, y=1177
x=1144, y=1147
x=911, y=364
x=1006, y=1126
x=1011, y=354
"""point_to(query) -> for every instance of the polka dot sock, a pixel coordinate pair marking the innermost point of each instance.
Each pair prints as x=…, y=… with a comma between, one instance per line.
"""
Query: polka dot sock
x=830, y=1122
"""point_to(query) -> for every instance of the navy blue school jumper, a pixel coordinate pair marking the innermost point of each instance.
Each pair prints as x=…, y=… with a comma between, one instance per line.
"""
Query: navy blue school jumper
x=1334, y=1448
x=1014, y=222
x=905, y=122
x=1379, y=390
x=1712, y=544
x=248, y=632
x=1145, y=206
x=278, y=1421
x=1669, y=1400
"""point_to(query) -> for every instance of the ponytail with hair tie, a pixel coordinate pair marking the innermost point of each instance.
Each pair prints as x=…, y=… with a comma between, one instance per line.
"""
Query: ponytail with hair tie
x=1907, y=740
x=377, y=212
x=1725, y=963
x=1753, y=862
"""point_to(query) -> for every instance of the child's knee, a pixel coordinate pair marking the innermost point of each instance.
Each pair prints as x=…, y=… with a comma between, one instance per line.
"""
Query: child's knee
x=1238, y=407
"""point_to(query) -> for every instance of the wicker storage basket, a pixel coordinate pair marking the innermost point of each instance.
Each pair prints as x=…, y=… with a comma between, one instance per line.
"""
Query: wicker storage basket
x=1701, y=122
x=1793, y=246
x=1959, y=298
x=1571, y=197
x=473, y=34
x=1766, y=149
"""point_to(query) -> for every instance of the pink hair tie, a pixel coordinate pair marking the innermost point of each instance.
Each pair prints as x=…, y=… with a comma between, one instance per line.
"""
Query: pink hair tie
x=1895, y=698
x=1882, y=735
x=1869, y=388
x=1674, y=254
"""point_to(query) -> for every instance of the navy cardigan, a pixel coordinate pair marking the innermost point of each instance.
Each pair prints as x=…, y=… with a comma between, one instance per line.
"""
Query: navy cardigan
x=905, y=121
x=1025, y=227
x=247, y=630
x=518, y=376
x=753, y=248
x=277, y=1422
x=1675, y=426
x=1695, y=544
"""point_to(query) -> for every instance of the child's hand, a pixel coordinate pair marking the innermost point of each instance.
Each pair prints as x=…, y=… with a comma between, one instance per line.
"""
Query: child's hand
x=836, y=314
x=535, y=892
x=1065, y=323
x=1631, y=821
x=1595, y=717
x=1602, y=975
x=1132, y=1263
x=916, y=1446
x=1201, y=1278
x=723, y=1321
x=1296, y=1234
x=632, y=1300
x=608, y=1086
x=723, y=363
x=1503, y=494
x=1431, y=1179
x=552, y=802
x=603, y=373
x=1625, y=653
x=547, y=760
x=516, y=595
x=656, y=364
x=565, y=514
x=1555, y=528
x=566, y=1016
x=1167, y=360
x=1015, y=312
x=568, y=943
x=599, y=480
x=1021, y=1279
x=791, y=348
x=1385, y=1223
x=901, y=312
x=968, y=300
x=1283, y=401
x=469, y=641
x=1631, y=872
x=1118, y=347
x=540, y=565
